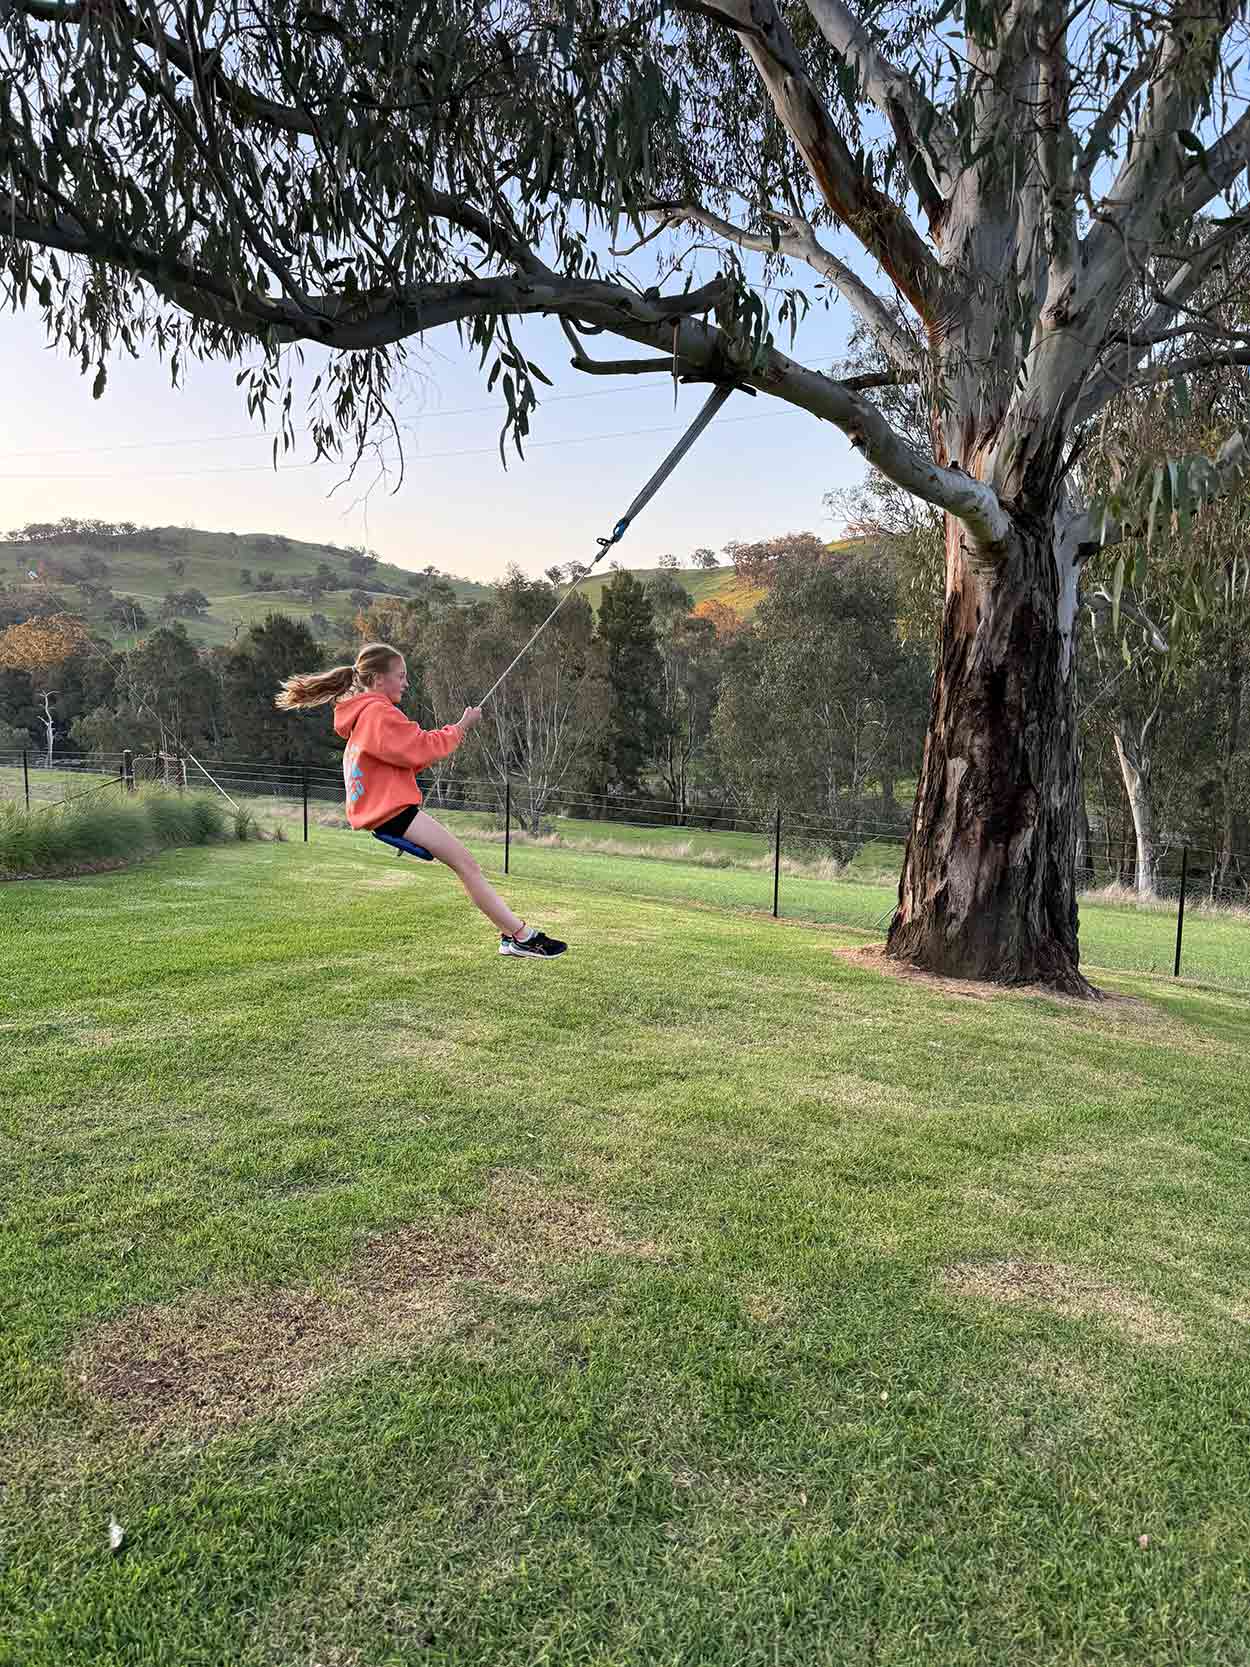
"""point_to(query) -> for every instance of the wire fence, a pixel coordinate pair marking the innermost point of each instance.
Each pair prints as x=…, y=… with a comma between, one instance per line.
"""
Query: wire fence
x=796, y=864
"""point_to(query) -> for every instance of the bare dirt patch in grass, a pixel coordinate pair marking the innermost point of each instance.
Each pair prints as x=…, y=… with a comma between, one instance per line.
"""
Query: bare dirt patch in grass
x=766, y=1307
x=874, y=957
x=1068, y=1291
x=211, y=1364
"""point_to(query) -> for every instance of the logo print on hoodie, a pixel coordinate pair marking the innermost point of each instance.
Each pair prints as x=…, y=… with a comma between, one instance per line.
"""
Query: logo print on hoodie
x=353, y=775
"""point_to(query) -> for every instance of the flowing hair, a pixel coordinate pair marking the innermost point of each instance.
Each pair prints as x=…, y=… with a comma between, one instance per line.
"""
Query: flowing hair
x=317, y=688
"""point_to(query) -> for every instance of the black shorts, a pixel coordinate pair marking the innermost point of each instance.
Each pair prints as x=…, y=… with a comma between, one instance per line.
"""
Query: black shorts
x=397, y=826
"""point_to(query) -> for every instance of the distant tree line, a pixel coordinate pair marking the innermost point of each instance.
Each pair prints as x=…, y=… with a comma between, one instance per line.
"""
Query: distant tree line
x=71, y=529
x=818, y=704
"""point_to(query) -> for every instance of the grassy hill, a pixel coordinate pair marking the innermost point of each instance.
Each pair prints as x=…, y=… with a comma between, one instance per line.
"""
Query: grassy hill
x=719, y=584
x=159, y=560
x=145, y=567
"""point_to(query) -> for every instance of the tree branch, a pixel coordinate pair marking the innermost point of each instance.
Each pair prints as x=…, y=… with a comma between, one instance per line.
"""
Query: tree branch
x=283, y=118
x=355, y=324
x=799, y=242
x=1154, y=164
x=1100, y=602
x=917, y=126
x=879, y=223
x=1157, y=375
x=972, y=502
x=652, y=321
x=1213, y=172
x=1101, y=136
x=1114, y=373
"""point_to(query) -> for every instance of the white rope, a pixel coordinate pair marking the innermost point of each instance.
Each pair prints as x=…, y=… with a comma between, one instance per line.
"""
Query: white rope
x=215, y=783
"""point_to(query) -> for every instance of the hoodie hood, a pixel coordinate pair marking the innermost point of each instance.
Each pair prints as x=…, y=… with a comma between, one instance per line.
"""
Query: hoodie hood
x=346, y=712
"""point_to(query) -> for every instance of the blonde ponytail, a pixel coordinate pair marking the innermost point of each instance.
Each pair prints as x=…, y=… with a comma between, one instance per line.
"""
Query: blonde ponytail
x=317, y=688
x=314, y=688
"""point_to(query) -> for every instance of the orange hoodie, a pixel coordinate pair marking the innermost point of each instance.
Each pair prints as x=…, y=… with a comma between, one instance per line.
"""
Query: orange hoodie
x=384, y=749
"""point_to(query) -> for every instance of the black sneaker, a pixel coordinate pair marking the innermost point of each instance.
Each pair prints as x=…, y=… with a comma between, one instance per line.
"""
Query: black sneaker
x=540, y=946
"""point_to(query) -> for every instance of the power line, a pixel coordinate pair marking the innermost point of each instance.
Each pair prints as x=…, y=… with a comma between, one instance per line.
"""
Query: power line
x=632, y=386
x=260, y=434
x=428, y=457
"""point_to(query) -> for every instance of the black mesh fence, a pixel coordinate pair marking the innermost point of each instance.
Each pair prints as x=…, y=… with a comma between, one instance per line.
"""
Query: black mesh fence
x=837, y=866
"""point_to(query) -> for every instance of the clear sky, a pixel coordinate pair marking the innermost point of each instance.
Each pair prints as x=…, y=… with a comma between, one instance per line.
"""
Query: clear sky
x=150, y=453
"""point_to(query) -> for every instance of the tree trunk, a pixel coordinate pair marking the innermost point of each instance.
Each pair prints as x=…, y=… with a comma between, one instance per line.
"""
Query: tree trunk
x=1084, y=837
x=988, y=888
x=1232, y=743
x=1133, y=752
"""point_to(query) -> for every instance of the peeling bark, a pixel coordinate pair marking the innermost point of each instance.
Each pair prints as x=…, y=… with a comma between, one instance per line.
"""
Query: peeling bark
x=989, y=879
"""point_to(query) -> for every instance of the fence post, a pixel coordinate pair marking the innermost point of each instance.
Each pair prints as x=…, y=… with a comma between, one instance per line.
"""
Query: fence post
x=128, y=769
x=776, y=863
x=26, y=775
x=1180, y=912
x=305, y=801
x=507, y=822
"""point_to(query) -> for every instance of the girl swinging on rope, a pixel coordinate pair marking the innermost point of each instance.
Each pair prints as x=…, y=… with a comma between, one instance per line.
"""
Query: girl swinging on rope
x=384, y=752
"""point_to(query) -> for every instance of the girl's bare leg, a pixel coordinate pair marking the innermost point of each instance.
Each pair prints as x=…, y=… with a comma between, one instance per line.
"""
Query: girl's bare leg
x=424, y=830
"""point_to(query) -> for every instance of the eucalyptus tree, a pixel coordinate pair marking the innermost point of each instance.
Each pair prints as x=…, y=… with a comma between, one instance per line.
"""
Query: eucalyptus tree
x=209, y=177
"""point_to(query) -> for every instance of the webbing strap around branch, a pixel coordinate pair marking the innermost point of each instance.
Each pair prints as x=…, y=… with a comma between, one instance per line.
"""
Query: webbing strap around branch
x=710, y=407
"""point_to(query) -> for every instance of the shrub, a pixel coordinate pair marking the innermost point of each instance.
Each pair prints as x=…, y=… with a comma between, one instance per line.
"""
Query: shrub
x=105, y=830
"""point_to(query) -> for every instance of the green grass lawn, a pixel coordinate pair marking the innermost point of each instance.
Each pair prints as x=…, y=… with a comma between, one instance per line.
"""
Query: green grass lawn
x=703, y=1297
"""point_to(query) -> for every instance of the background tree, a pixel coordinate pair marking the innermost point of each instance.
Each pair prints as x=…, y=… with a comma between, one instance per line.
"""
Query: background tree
x=162, y=698
x=808, y=717
x=758, y=562
x=111, y=729
x=129, y=613
x=404, y=623
x=1158, y=616
x=690, y=668
x=725, y=622
x=39, y=646
x=18, y=711
x=455, y=663
x=330, y=181
x=632, y=666
x=545, y=723
x=184, y=604
x=267, y=654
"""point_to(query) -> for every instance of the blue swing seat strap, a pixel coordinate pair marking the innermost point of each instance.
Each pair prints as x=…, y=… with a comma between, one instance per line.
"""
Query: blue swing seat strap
x=401, y=845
